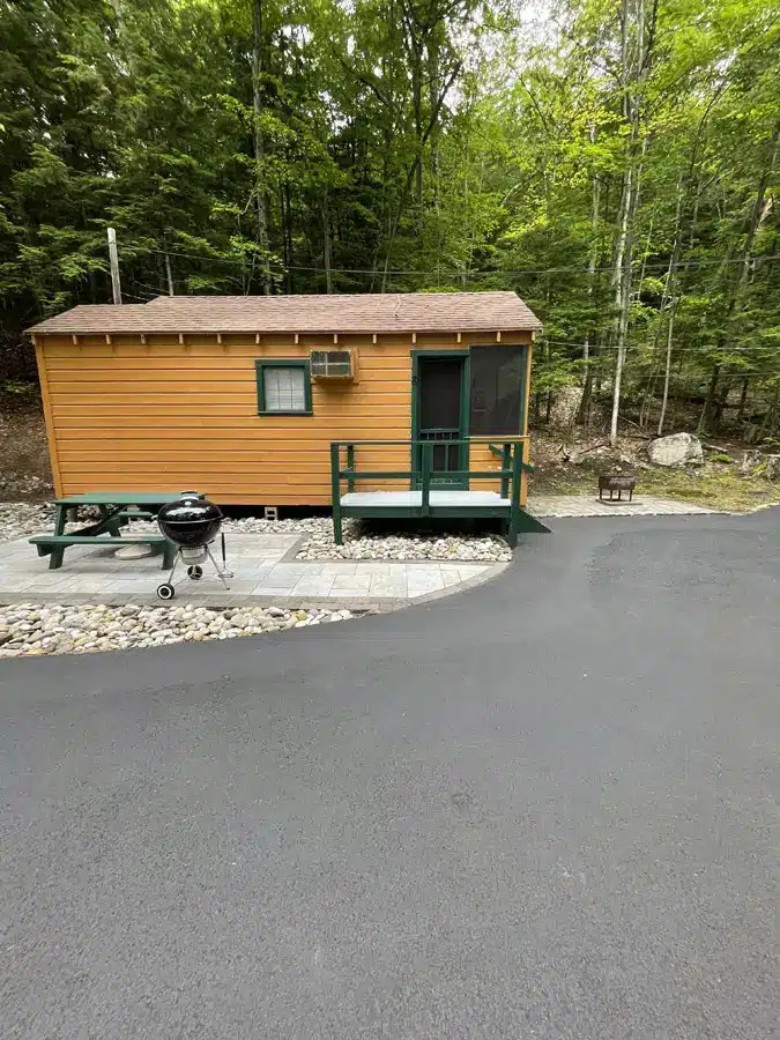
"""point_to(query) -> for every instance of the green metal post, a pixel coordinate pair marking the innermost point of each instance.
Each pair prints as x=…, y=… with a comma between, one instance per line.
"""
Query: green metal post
x=427, y=466
x=506, y=459
x=350, y=465
x=514, y=509
x=335, y=491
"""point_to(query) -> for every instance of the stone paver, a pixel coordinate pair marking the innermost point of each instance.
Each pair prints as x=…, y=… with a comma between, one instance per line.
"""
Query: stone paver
x=264, y=569
x=585, y=505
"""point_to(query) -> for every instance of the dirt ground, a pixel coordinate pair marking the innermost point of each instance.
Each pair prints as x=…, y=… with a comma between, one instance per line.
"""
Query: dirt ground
x=570, y=463
x=566, y=463
x=25, y=475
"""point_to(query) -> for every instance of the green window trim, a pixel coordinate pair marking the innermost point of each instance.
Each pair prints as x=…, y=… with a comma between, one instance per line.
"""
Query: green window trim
x=262, y=364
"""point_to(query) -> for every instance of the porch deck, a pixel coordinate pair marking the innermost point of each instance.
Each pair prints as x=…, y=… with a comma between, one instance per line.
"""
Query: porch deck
x=446, y=499
x=426, y=497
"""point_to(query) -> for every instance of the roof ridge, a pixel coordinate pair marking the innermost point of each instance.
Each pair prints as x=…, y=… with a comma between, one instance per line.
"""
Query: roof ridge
x=494, y=310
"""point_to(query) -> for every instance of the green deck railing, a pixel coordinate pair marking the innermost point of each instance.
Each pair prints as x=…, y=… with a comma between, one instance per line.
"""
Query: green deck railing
x=513, y=464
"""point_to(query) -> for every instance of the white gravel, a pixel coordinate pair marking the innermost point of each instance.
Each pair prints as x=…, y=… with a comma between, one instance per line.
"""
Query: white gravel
x=35, y=629
x=21, y=518
x=361, y=544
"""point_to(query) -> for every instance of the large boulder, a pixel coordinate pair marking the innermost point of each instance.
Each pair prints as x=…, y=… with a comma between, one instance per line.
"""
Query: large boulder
x=566, y=407
x=676, y=450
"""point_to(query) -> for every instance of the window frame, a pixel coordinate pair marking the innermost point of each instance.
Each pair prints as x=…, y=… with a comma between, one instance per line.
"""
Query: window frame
x=262, y=363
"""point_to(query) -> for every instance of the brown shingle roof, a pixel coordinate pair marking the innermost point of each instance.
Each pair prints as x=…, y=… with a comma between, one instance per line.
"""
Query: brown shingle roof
x=386, y=312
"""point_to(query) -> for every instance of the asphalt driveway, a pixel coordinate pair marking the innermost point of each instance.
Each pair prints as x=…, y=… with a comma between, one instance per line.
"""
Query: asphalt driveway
x=542, y=808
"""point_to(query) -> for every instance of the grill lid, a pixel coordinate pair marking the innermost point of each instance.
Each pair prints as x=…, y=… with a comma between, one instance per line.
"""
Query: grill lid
x=190, y=520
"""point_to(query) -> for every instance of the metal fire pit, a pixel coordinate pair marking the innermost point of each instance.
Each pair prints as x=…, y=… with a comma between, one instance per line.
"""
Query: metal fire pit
x=618, y=483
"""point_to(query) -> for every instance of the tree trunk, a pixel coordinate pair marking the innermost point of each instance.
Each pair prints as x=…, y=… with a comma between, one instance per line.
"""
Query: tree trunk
x=587, y=381
x=667, y=372
x=584, y=413
x=743, y=400
x=417, y=107
x=635, y=55
x=622, y=281
x=259, y=144
x=712, y=389
x=670, y=299
x=288, y=239
x=326, y=241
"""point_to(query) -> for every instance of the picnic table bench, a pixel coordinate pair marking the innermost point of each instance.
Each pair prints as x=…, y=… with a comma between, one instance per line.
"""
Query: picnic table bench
x=116, y=509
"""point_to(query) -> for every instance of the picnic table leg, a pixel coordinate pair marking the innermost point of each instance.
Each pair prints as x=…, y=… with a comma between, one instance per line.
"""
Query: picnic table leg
x=58, y=551
x=169, y=555
x=113, y=525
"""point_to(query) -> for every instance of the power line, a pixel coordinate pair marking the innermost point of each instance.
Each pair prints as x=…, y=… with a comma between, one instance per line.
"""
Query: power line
x=132, y=296
x=459, y=272
x=151, y=288
x=761, y=348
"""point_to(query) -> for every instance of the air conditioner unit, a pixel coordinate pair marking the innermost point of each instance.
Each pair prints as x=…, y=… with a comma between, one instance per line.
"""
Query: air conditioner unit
x=332, y=364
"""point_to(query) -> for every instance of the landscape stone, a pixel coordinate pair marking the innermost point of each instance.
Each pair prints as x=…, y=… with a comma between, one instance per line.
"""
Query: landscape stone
x=758, y=462
x=676, y=451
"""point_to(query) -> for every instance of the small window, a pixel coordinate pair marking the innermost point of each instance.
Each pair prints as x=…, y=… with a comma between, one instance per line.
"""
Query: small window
x=283, y=387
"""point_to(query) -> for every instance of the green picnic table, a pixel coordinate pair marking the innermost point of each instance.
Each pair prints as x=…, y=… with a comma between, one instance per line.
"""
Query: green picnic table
x=116, y=508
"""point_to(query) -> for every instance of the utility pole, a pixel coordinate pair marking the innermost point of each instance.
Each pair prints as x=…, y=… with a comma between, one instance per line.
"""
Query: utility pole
x=114, y=259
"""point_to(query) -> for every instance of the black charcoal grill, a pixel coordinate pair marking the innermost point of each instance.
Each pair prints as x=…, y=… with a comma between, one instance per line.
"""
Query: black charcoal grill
x=192, y=523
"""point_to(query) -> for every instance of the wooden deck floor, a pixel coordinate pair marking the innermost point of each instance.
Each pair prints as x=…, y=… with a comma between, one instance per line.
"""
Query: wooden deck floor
x=446, y=498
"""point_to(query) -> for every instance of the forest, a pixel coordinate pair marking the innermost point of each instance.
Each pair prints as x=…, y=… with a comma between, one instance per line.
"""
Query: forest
x=615, y=162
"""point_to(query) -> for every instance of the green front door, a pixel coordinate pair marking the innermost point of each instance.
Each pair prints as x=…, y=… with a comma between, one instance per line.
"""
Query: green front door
x=440, y=413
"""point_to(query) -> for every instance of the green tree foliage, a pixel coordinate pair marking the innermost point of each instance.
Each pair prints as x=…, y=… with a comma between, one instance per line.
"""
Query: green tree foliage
x=616, y=162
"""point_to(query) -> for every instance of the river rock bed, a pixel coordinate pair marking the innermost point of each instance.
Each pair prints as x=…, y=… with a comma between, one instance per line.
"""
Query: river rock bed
x=37, y=629
x=360, y=544
x=21, y=518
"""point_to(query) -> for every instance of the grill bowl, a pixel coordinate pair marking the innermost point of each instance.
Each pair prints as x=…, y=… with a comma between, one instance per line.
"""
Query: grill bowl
x=190, y=521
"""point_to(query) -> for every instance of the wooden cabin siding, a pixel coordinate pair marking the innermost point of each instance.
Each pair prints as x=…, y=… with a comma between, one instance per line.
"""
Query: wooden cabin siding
x=166, y=415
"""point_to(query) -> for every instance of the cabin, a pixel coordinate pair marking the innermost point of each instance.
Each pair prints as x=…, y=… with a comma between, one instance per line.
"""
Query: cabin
x=330, y=400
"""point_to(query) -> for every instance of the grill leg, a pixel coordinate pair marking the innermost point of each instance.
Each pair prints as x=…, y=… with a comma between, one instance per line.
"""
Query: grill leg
x=173, y=568
x=221, y=574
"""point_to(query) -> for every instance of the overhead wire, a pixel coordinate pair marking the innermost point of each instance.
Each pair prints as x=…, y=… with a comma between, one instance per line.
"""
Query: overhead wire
x=768, y=348
x=400, y=272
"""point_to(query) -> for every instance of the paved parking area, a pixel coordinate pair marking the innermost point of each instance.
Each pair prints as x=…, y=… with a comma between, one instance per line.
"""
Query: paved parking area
x=264, y=566
x=590, y=505
x=543, y=810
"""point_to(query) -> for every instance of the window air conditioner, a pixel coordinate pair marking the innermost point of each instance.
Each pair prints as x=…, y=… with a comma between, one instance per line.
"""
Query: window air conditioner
x=332, y=364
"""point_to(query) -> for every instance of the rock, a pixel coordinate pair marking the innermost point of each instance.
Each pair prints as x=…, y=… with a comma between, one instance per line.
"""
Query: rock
x=566, y=407
x=5, y=636
x=757, y=463
x=277, y=612
x=134, y=551
x=677, y=450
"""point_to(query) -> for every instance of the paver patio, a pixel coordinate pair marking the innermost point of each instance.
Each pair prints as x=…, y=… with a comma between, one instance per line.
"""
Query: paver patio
x=264, y=570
